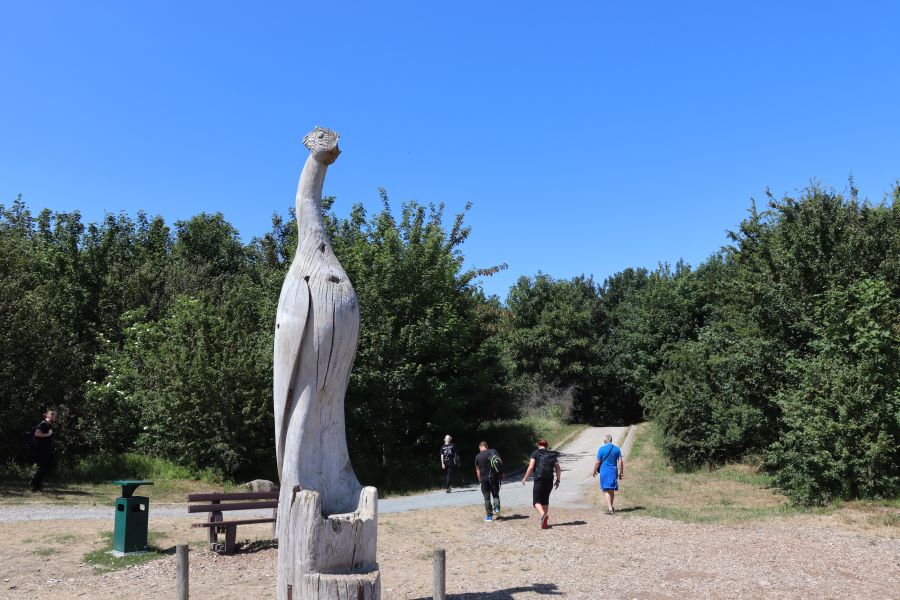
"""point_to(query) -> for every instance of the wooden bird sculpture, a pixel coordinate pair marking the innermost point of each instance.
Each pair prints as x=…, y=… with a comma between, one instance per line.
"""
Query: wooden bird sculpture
x=327, y=522
x=316, y=333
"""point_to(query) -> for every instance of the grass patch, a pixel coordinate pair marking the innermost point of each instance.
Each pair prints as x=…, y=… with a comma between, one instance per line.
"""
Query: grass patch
x=731, y=493
x=881, y=517
x=43, y=551
x=88, y=481
x=129, y=465
x=728, y=494
x=61, y=493
x=103, y=561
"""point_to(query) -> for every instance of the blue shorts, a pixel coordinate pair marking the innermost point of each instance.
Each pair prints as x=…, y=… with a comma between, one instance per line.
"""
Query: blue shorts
x=609, y=477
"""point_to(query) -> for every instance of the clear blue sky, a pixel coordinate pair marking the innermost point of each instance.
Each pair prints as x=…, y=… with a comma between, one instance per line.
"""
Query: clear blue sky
x=590, y=136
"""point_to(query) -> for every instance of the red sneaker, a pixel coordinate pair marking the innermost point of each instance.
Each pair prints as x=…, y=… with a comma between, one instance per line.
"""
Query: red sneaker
x=544, y=522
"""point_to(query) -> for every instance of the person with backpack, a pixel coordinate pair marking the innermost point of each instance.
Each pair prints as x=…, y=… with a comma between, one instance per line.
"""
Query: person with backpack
x=449, y=460
x=42, y=444
x=611, y=468
x=544, y=463
x=489, y=472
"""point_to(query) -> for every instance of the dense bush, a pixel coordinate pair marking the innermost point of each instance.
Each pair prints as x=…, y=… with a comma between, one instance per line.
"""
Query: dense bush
x=841, y=414
x=794, y=353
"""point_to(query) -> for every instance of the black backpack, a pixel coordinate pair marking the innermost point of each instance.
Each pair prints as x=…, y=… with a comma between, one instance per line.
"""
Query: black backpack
x=546, y=464
x=496, y=465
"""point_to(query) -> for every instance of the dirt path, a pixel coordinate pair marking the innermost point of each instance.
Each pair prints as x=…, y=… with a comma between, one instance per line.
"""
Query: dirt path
x=585, y=555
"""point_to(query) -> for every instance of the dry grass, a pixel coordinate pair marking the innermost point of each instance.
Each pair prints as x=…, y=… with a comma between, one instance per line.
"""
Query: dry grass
x=729, y=494
x=734, y=493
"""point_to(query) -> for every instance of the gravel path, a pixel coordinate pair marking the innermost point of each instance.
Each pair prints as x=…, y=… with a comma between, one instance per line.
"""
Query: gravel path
x=576, y=460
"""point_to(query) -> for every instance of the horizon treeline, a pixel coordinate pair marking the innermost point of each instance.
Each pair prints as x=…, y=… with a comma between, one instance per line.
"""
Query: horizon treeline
x=783, y=348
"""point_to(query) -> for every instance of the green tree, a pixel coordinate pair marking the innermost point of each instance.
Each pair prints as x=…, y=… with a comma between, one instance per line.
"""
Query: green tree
x=550, y=338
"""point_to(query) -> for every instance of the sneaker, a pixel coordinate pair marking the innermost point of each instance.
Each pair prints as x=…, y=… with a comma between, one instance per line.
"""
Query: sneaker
x=545, y=522
x=496, y=507
x=448, y=490
x=488, y=518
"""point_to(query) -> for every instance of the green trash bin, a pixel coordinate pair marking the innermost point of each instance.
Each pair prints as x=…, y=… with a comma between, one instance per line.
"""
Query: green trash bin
x=132, y=517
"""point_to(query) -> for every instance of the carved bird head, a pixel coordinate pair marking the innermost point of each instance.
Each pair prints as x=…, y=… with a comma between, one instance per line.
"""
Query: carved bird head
x=322, y=144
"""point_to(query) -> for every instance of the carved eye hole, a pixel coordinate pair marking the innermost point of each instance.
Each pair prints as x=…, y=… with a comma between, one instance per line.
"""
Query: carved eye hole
x=321, y=134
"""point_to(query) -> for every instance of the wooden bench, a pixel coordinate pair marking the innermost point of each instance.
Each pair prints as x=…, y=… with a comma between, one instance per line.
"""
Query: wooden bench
x=218, y=502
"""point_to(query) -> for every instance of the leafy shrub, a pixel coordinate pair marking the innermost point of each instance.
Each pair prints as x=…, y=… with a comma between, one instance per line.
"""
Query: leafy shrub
x=841, y=418
x=714, y=400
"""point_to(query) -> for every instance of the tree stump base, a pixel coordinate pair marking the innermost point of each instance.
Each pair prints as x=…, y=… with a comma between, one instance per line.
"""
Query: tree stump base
x=328, y=557
x=349, y=586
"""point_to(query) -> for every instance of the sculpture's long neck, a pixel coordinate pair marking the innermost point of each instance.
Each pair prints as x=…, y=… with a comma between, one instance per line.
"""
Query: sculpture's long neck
x=309, y=197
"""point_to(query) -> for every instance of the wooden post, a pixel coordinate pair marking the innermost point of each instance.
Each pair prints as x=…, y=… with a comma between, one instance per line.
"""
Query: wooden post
x=182, y=576
x=440, y=574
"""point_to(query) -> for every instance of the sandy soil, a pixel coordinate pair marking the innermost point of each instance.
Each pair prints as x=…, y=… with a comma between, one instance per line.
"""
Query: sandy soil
x=585, y=554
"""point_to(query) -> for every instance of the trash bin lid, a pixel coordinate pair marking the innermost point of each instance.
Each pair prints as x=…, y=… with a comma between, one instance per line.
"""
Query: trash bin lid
x=129, y=485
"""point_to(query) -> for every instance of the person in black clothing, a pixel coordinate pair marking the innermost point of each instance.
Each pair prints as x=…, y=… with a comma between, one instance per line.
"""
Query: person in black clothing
x=449, y=460
x=544, y=464
x=489, y=479
x=43, y=438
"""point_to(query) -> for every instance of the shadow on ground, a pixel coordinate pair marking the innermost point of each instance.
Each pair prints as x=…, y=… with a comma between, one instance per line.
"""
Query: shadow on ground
x=567, y=524
x=544, y=589
x=61, y=492
x=256, y=546
x=21, y=490
x=515, y=517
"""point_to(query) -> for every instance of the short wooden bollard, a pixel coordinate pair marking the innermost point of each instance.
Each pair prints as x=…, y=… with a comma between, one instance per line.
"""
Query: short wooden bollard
x=440, y=574
x=181, y=560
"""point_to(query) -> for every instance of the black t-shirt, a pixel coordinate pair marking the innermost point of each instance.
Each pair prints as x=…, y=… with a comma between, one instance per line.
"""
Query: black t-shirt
x=44, y=444
x=483, y=463
x=448, y=451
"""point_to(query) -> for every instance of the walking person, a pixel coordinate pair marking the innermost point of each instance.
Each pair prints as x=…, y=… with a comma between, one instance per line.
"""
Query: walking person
x=611, y=468
x=43, y=450
x=489, y=471
x=544, y=463
x=449, y=460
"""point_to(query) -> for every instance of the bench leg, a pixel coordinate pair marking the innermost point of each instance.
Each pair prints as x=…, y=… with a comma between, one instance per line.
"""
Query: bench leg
x=213, y=536
x=230, y=534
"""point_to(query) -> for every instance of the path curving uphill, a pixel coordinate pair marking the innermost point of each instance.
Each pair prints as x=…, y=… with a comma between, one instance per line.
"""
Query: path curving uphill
x=576, y=460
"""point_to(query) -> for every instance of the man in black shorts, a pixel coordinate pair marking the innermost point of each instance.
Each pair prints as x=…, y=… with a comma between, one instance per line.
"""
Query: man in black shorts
x=544, y=464
x=489, y=478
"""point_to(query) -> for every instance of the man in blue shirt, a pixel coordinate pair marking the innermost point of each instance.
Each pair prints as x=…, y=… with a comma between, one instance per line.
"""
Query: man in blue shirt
x=611, y=468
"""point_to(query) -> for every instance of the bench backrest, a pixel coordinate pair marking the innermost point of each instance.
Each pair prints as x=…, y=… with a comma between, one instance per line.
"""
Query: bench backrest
x=263, y=500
